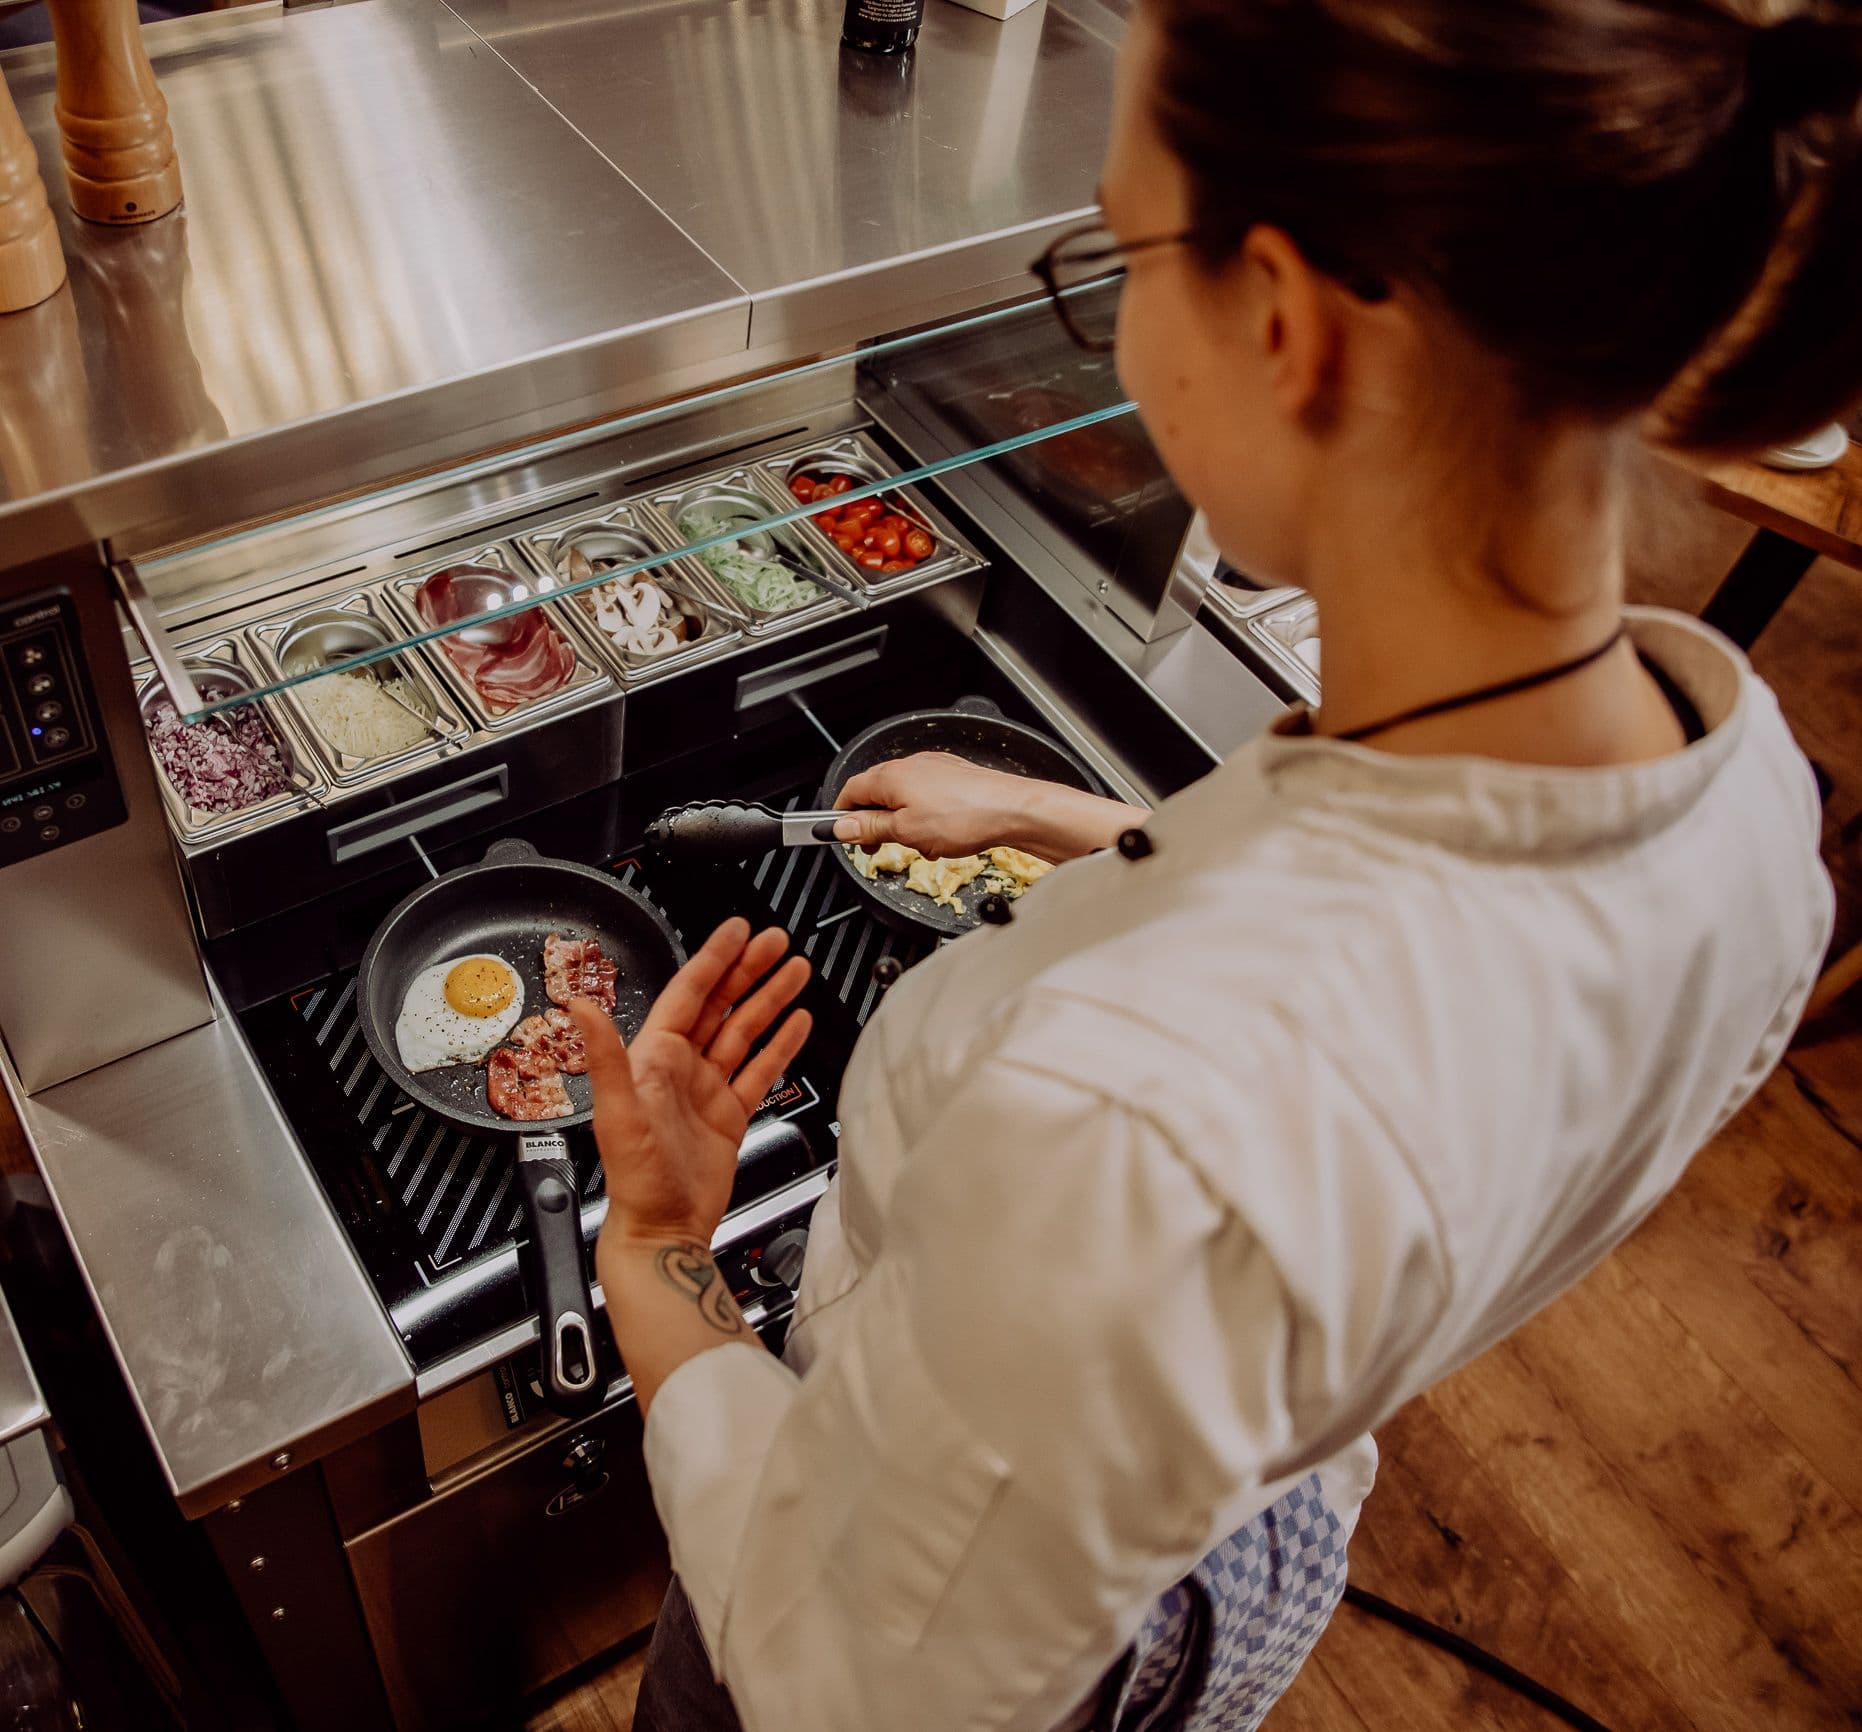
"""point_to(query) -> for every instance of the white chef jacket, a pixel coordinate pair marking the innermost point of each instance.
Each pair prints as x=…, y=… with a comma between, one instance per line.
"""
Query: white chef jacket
x=1165, y=1193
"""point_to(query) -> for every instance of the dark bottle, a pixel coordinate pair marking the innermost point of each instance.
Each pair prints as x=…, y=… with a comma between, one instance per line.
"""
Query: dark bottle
x=882, y=26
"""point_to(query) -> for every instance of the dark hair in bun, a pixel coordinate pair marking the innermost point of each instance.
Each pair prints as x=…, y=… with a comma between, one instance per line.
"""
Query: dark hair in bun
x=1636, y=204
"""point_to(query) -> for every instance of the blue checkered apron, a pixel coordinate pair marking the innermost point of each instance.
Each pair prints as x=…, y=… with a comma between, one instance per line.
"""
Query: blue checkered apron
x=1219, y=1649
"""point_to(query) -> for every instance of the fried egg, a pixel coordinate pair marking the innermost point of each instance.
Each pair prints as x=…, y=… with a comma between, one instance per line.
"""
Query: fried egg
x=456, y=1011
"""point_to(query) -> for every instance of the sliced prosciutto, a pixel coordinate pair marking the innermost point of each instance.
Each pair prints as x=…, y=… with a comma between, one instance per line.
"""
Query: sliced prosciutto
x=575, y=968
x=526, y=1085
x=553, y=1035
x=530, y=660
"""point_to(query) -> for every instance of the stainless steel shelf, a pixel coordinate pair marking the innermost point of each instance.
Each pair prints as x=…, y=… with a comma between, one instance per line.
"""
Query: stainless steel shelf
x=414, y=233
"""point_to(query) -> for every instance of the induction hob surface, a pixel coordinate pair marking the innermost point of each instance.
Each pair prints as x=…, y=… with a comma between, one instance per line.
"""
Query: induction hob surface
x=433, y=1212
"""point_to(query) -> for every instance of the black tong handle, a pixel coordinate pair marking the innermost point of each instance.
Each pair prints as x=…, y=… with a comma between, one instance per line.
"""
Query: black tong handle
x=734, y=829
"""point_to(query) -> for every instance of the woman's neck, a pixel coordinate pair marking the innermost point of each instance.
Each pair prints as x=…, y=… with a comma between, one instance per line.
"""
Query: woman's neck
x=1416, y=606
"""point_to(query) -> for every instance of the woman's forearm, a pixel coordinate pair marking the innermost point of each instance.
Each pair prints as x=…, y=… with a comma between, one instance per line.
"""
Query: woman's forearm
x=667, y=1302
x=1060, y=823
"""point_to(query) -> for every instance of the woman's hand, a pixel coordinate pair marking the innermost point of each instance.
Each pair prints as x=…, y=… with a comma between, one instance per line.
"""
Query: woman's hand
x=945, y=806
x=671, y=1111
x=932, y=801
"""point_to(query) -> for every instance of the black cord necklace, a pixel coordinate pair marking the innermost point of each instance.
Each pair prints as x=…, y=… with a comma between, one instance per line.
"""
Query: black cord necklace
x=1486, y=694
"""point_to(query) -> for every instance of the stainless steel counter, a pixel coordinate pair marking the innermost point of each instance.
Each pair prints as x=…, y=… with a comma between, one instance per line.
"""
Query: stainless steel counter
x=830, y=185
x=250, y=1338
x=413, y=233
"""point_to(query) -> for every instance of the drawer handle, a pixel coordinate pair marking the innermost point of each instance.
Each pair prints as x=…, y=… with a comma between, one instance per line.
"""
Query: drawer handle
x=798, y=673
x=462, y=799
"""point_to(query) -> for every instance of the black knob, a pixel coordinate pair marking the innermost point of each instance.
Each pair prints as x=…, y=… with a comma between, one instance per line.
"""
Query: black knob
x=886, y=971
x=781, y=1262
x=1135, y=844
x=994, y=909
x=583, y=1456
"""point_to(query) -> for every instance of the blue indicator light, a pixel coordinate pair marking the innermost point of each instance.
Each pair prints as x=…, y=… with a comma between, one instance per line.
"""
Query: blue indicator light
x=37, y=731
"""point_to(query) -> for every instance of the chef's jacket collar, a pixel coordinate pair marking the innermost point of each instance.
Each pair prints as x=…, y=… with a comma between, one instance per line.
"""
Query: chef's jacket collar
x=1487, y=806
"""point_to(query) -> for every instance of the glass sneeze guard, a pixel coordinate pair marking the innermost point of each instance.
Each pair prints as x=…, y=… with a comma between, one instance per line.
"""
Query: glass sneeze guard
x=539, y=591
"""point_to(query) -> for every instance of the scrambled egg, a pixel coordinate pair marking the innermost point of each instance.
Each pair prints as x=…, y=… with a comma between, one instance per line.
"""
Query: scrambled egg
x=1006, y=871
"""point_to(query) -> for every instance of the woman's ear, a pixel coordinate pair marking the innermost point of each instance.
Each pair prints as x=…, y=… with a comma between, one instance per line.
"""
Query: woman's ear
x=1291, y=321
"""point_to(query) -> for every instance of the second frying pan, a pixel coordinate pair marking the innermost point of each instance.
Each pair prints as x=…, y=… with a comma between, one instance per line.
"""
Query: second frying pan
x=975, y=730
x=505, y=906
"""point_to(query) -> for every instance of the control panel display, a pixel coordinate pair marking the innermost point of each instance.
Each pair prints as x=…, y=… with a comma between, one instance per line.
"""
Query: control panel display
x=57, y=780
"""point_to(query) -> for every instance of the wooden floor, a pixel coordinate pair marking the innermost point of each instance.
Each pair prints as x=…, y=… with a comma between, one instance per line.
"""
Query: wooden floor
x=1651, y=1497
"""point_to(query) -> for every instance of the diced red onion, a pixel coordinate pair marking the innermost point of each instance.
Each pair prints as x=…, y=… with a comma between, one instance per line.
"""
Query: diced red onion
x=222, y=764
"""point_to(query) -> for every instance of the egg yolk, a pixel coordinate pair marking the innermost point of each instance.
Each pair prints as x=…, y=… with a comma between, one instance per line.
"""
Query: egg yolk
x=480, y=986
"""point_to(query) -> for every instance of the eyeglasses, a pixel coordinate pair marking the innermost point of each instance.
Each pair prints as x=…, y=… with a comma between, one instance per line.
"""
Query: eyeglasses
x=1087, y=255
x=1093, y=254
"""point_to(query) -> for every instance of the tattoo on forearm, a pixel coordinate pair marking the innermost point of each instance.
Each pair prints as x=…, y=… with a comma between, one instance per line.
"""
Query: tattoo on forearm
x=688, y=1269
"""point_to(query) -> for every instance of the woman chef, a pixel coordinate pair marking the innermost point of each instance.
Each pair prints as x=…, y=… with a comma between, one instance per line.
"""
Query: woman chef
x=1259, y=1119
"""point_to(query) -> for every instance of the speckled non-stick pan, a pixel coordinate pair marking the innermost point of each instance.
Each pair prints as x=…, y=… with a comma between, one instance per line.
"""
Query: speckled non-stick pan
x=505, y=906
x=975, y=730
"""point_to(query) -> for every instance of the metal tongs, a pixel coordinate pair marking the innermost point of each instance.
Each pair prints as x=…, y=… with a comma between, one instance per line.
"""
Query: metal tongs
x=737, y=829
x=822, y=579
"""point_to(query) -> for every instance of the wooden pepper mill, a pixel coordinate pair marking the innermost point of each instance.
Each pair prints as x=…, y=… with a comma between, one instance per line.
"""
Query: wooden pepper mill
x=119, y=154
x=31, y=263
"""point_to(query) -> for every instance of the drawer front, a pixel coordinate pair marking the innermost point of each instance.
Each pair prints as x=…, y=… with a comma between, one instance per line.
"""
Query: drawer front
x=507, y=1581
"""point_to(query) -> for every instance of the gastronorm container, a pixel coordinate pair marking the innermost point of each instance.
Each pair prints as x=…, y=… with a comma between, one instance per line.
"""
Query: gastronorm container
x=860, y=460
x=621, y=532
x=738, y=496
x=220, y=669
x=1281, y=632
x=506, y=577
x=333, y=633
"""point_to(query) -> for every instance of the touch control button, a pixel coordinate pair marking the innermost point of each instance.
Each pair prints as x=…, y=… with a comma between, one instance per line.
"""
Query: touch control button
x=49, y=833
x=39, y=685
x=49, y=711
x=31, y=656
x=74, y=802
x=56, y=739
x=43, y=814
x=9, y=825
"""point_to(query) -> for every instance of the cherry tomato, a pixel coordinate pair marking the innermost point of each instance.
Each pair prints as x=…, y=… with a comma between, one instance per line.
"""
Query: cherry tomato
x=871, y=561
x=825, y=519
x=802, y=488
x=864, y=510
x=897, y=565
x=837, y=484
x=887, y=541
x=918, y=544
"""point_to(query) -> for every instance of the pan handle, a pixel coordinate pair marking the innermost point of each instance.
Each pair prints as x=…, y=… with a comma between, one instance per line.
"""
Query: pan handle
x=510, y=851
x=558, y=1277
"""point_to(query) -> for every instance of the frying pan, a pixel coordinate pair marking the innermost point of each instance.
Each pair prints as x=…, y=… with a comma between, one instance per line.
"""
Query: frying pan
x=974, y=729
x=506, y=905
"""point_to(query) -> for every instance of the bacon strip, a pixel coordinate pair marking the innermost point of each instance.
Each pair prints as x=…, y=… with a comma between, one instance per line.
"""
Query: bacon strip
x=525, y=1086
x=575, y=968
x=553, y=1035
x=534, y=660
